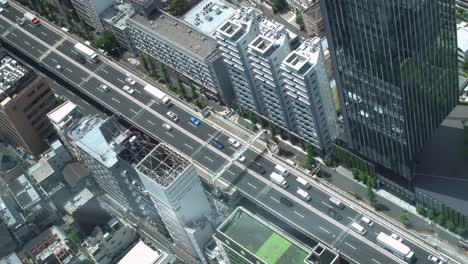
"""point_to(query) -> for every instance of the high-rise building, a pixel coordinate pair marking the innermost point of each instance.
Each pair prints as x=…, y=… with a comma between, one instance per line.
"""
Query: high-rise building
x=313, y=20
x=396, y=71
x=307, y=90
x=114, y=20
x=25, y=100
x=89, y=11
x=173, y=184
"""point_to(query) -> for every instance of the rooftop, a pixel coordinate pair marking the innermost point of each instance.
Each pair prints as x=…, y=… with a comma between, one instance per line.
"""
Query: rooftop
x=77, y=201
x=238, y=22
x=114, y=15
x=41, y=170
x=62, y=112
x=176, y=33
x=462, y=37
x=74, y=172
x=208, y=15
x=163, y=165
x=263, y=241
x=6, y=215
x=142, y=254
x=100, y=138
x=23, y=192
x=306, y=54
x=273, y=34
x=11, y=259
x=12, y=73
x=442, y=170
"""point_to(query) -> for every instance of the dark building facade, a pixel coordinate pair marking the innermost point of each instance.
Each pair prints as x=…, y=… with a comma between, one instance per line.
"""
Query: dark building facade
x=396, y=70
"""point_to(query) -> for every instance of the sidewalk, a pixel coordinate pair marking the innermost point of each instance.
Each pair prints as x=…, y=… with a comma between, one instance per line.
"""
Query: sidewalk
x=392, y=206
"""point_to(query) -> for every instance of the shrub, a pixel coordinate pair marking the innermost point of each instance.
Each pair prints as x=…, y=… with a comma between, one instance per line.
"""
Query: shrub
x=356, y=173
x=450, y=225
x=421, y=210
x=460, y=230
x=441, y=220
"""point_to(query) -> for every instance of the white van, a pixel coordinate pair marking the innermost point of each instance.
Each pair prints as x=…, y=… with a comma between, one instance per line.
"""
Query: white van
x=303, y=194
x=303, y=182
x=336, y=202
x=281, y=170
x=358, y=228
x=366, y=220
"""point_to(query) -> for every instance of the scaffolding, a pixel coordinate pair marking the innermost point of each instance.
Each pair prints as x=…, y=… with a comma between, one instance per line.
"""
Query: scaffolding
x=136, y=147
x=163, y=165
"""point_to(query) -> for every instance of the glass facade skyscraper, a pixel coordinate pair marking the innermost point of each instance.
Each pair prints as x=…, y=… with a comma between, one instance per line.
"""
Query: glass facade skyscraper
x=395, y=62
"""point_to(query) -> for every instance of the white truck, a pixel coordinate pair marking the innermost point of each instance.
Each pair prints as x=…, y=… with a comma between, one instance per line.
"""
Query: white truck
x=278, y=179
x=158, y=94
x=31, y=18
x=87, y=53
x=396, y=247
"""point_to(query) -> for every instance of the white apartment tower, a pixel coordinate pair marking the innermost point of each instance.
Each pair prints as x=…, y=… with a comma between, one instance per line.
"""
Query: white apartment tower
x=176, y=189
x=307, y=89
x=89, y=11
x=233, y=38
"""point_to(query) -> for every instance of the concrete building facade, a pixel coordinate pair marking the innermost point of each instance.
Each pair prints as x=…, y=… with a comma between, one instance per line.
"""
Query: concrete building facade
x=114, y=20
x=176, y=189
x=313, y=20
x=25, y=100
x=89, y=11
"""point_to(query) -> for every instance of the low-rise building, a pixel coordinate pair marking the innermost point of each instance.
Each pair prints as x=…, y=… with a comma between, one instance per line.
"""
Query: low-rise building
x=114, y=20
x=143, y=254
x=106, y=244
x=313, y=21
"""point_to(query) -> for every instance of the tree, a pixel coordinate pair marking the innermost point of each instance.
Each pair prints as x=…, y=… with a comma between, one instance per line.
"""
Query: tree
x=273, y=132
x=421, y=210
x=300, y=21
x=441, y=219
x=309, y=158
x=356, y=173
x=450, y=225
x=144, y=62
x=180, y=88
x=193, y=91
x=165, y=75
x=370, y=194
x=177, y=7
x=465, y=65
x=460, y=230
x=279, y=5
x=107, y=42
x=404, y=217
x=152, y=68
x=431, y=214
x=364, y=177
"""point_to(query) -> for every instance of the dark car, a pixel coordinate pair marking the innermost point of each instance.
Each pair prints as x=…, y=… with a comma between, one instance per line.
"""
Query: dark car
x=217, y=143
x=257, y=168
x=286, y=201
x=334, y=214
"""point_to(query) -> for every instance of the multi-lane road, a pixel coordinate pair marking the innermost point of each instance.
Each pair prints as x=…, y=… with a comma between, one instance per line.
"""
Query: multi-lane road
x=49, y=47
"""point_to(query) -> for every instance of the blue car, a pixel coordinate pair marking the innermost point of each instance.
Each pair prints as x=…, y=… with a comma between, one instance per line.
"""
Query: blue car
x=217, y=144
x=194, y=121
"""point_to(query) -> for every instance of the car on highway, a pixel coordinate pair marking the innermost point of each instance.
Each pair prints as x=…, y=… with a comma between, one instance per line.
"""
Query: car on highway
x=104, y=87
x=217, y=143
x=234, y=142
x=396, y=237
x=58, y=67
x=128, y=89
x=241, y=158
x=130, y=81
x=173, y=116
x=434, y=259
x=167, y=126
x=1, y=9
x=20, y=21
x=195, y=121
x=367, y=220
x=257, y=168
x=334, y=214
x=286, y=201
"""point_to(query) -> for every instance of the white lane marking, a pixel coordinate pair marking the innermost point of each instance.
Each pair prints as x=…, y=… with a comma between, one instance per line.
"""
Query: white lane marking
x=298, y=214
x=251, y=185
x=2, y=27
x=13, y=34
x=192, y=124
x=170, y=134
x=105, y=71
x=68, y=70
x=27, y=43
x=352, y=219
x=150, y=122
x=74, y=52
x=135, y=112
x=351, y=246
x=137, y=91
x=328, y=232
x=43, y=33
x=274, y=199
x=233, y=149
x=54, y=60
x=120, y=80
x=233, y=174
x=208, y=158
x=326, y=204
x=376, y=261
x=84, y=101
x=188, y=146
x=116, y=100
x=84, y=79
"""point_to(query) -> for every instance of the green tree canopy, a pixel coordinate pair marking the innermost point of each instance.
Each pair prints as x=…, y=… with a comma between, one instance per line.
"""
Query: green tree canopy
x=279, y=5
x=309, y=158
x=300, y=21
x=404, y=217
x=106, y=41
